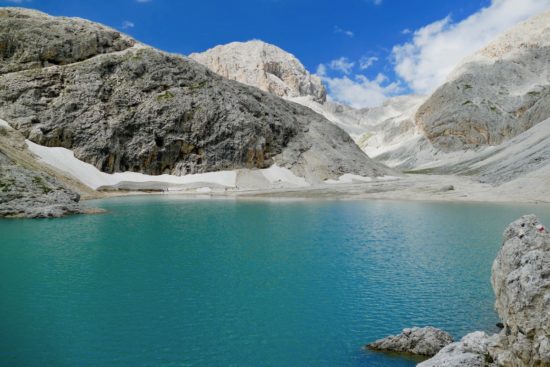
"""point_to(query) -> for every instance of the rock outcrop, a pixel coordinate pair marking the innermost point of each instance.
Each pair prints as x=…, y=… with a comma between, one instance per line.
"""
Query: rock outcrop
x=426, y=341
x=494, y=95
x=521, y=281
x=263, y=66
x=31, y=194
x=470, y=351
x=31, y=40
x=122, y=106
x=28, y=189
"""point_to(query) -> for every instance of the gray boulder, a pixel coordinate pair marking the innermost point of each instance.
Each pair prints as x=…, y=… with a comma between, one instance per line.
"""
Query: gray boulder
x=470, y=351
x=426, y=341
x=521, y=280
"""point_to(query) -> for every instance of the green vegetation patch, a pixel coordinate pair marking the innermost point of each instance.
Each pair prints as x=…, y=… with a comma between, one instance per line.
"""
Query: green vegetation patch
x=6, y=184
x=165, y=96
x=198, y=85
x=41, y=184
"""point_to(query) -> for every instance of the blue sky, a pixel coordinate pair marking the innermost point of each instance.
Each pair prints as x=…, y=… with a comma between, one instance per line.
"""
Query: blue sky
x=344, y=36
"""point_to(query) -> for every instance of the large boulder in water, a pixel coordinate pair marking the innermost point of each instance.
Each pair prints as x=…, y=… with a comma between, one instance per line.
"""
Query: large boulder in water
x=426, y=341
x=521, y=281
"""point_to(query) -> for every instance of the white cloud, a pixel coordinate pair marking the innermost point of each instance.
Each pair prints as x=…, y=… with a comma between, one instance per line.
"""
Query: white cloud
x=437, y=48
x=127, y=24
x=349, y=34
x=366, y=62
x=359, y=91
x=342, y=64
x=353, y=89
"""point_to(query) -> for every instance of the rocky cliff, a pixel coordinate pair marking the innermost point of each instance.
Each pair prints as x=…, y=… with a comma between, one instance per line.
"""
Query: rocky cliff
x=264, y=66
x=521, y=281
x=30, y=189
x=494, y=95
x=122, y=106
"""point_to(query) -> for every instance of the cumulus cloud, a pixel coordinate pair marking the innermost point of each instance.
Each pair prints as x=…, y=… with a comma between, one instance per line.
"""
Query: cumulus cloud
x=366, y=62
x=127, y=24
x=357, y=90
x=342, y=65
x=360, y=91
x=425, y=61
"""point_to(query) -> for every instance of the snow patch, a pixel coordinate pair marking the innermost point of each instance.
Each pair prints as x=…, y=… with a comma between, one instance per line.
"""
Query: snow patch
x=276, y=174
x=64, y=160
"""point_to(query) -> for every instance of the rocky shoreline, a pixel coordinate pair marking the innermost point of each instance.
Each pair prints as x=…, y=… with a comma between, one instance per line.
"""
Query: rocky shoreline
x=521, y=282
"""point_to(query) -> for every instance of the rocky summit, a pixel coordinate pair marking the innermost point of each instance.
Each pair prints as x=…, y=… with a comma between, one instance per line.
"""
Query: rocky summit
x=123, y=106
x=264, y=66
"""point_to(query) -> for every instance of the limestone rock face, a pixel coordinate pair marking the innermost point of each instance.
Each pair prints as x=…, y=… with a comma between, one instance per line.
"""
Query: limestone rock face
x=426, y=341
x=146, y=111
x=31, y=190
x=470, y=351
x=521, y=281
x=264, y=66
x=494, y=95
x=31, y=194
x=30, y=39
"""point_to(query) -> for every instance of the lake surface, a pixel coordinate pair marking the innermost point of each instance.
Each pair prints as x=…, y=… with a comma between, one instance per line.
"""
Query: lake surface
x=168, y=281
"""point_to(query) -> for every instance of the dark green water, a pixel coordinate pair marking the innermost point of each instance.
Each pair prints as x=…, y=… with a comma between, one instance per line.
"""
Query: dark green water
x=165, y=281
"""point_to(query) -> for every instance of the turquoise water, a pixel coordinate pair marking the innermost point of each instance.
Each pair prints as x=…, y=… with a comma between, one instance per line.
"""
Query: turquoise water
x=165, y=281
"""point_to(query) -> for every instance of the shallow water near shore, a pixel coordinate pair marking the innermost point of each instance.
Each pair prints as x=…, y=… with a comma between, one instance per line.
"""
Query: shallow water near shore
x=169, y=281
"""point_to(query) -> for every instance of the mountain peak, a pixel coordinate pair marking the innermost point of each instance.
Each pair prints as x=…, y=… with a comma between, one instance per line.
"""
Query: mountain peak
x=264, y=66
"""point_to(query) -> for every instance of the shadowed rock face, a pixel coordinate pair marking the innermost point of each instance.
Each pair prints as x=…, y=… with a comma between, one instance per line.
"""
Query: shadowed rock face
x=146, y=111
x=495, y=94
